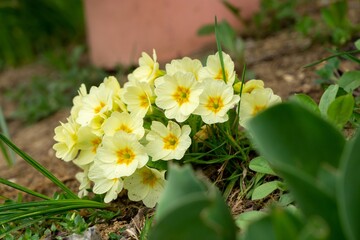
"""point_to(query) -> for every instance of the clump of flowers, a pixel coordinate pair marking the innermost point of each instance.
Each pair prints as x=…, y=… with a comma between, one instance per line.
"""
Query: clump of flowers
x=118, y=135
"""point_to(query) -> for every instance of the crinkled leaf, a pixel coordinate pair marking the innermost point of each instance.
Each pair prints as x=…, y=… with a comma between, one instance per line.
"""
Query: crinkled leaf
x=291, y=135
x=181, y=184
x=190, y=207
x=305, y=150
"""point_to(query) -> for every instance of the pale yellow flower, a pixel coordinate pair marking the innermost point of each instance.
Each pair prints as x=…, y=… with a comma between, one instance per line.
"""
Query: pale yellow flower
x=215, y=101
x=184, y=65
x=138, y=96
x=167, y=142
x=112, y=84
x=255, y=102
x=148, y=69
x=84, y=181
x=178, y=95
x=126, y=122
x=96, y=106
x=249, y=86
x=120, y=155
x=213, y=69
x=66, y=137
x=77, y=101
x=105, y=184
x=145, y=185
x=88, y=143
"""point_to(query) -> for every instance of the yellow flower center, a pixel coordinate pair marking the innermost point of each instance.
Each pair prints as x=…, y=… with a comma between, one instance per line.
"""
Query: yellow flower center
x=170, y=142
x=148, y=178
x=95, y=143
x=144, y=103
x=219, y=75
x=125, y=156
x=215, y=104
x=181, y=95
x=257, y=109
x=124, y=128
x=99, y=107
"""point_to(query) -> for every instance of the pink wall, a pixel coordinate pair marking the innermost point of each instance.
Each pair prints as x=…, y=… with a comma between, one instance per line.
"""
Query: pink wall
x=119, y=30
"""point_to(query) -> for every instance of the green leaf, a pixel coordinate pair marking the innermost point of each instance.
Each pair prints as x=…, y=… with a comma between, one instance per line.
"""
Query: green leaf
x=184, y=184
x=350, y=81
x=232, y=8
x=260, y=165
x=315, y=229
x=305, y=150
x=305, y=101
x=327, y=98
x=246, y=218
x=286, y=199
x=357, y=44
x=280, y=224
x=341, y=109
x=206, y=30
x=349, y=185
x=291, y=135
x=264, y=190
x=190, y=207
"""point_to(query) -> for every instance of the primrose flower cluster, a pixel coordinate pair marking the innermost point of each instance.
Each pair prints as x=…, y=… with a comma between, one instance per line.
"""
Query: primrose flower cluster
x=112, y=133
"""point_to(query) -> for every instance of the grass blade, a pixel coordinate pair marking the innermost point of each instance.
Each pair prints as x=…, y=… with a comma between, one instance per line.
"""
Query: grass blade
x=38, y=167
x=61, y=202
x=23, y=189
x=9, y=155
x=332, y=56
x=46, y=208
x=218, y=42
x=21, y=226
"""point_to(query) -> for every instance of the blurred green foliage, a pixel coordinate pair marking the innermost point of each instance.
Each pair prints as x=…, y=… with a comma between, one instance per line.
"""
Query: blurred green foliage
x=30, y=27
x=320, y=168
x=46, y=94
x=191, y=209
x=333, y=24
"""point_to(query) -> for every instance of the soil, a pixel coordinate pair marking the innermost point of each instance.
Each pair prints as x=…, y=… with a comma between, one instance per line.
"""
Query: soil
x=276, y=59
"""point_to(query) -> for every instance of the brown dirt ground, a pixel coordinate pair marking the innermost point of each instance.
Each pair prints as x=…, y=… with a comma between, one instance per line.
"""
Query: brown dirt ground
x=277, y=59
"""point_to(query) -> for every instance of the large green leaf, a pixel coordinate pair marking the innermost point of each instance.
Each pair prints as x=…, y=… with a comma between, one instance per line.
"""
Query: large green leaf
x=288, y=134
x=349, y=189
x=180, y=186
x=280, y=224
x=305, y=150
x=191, y=209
